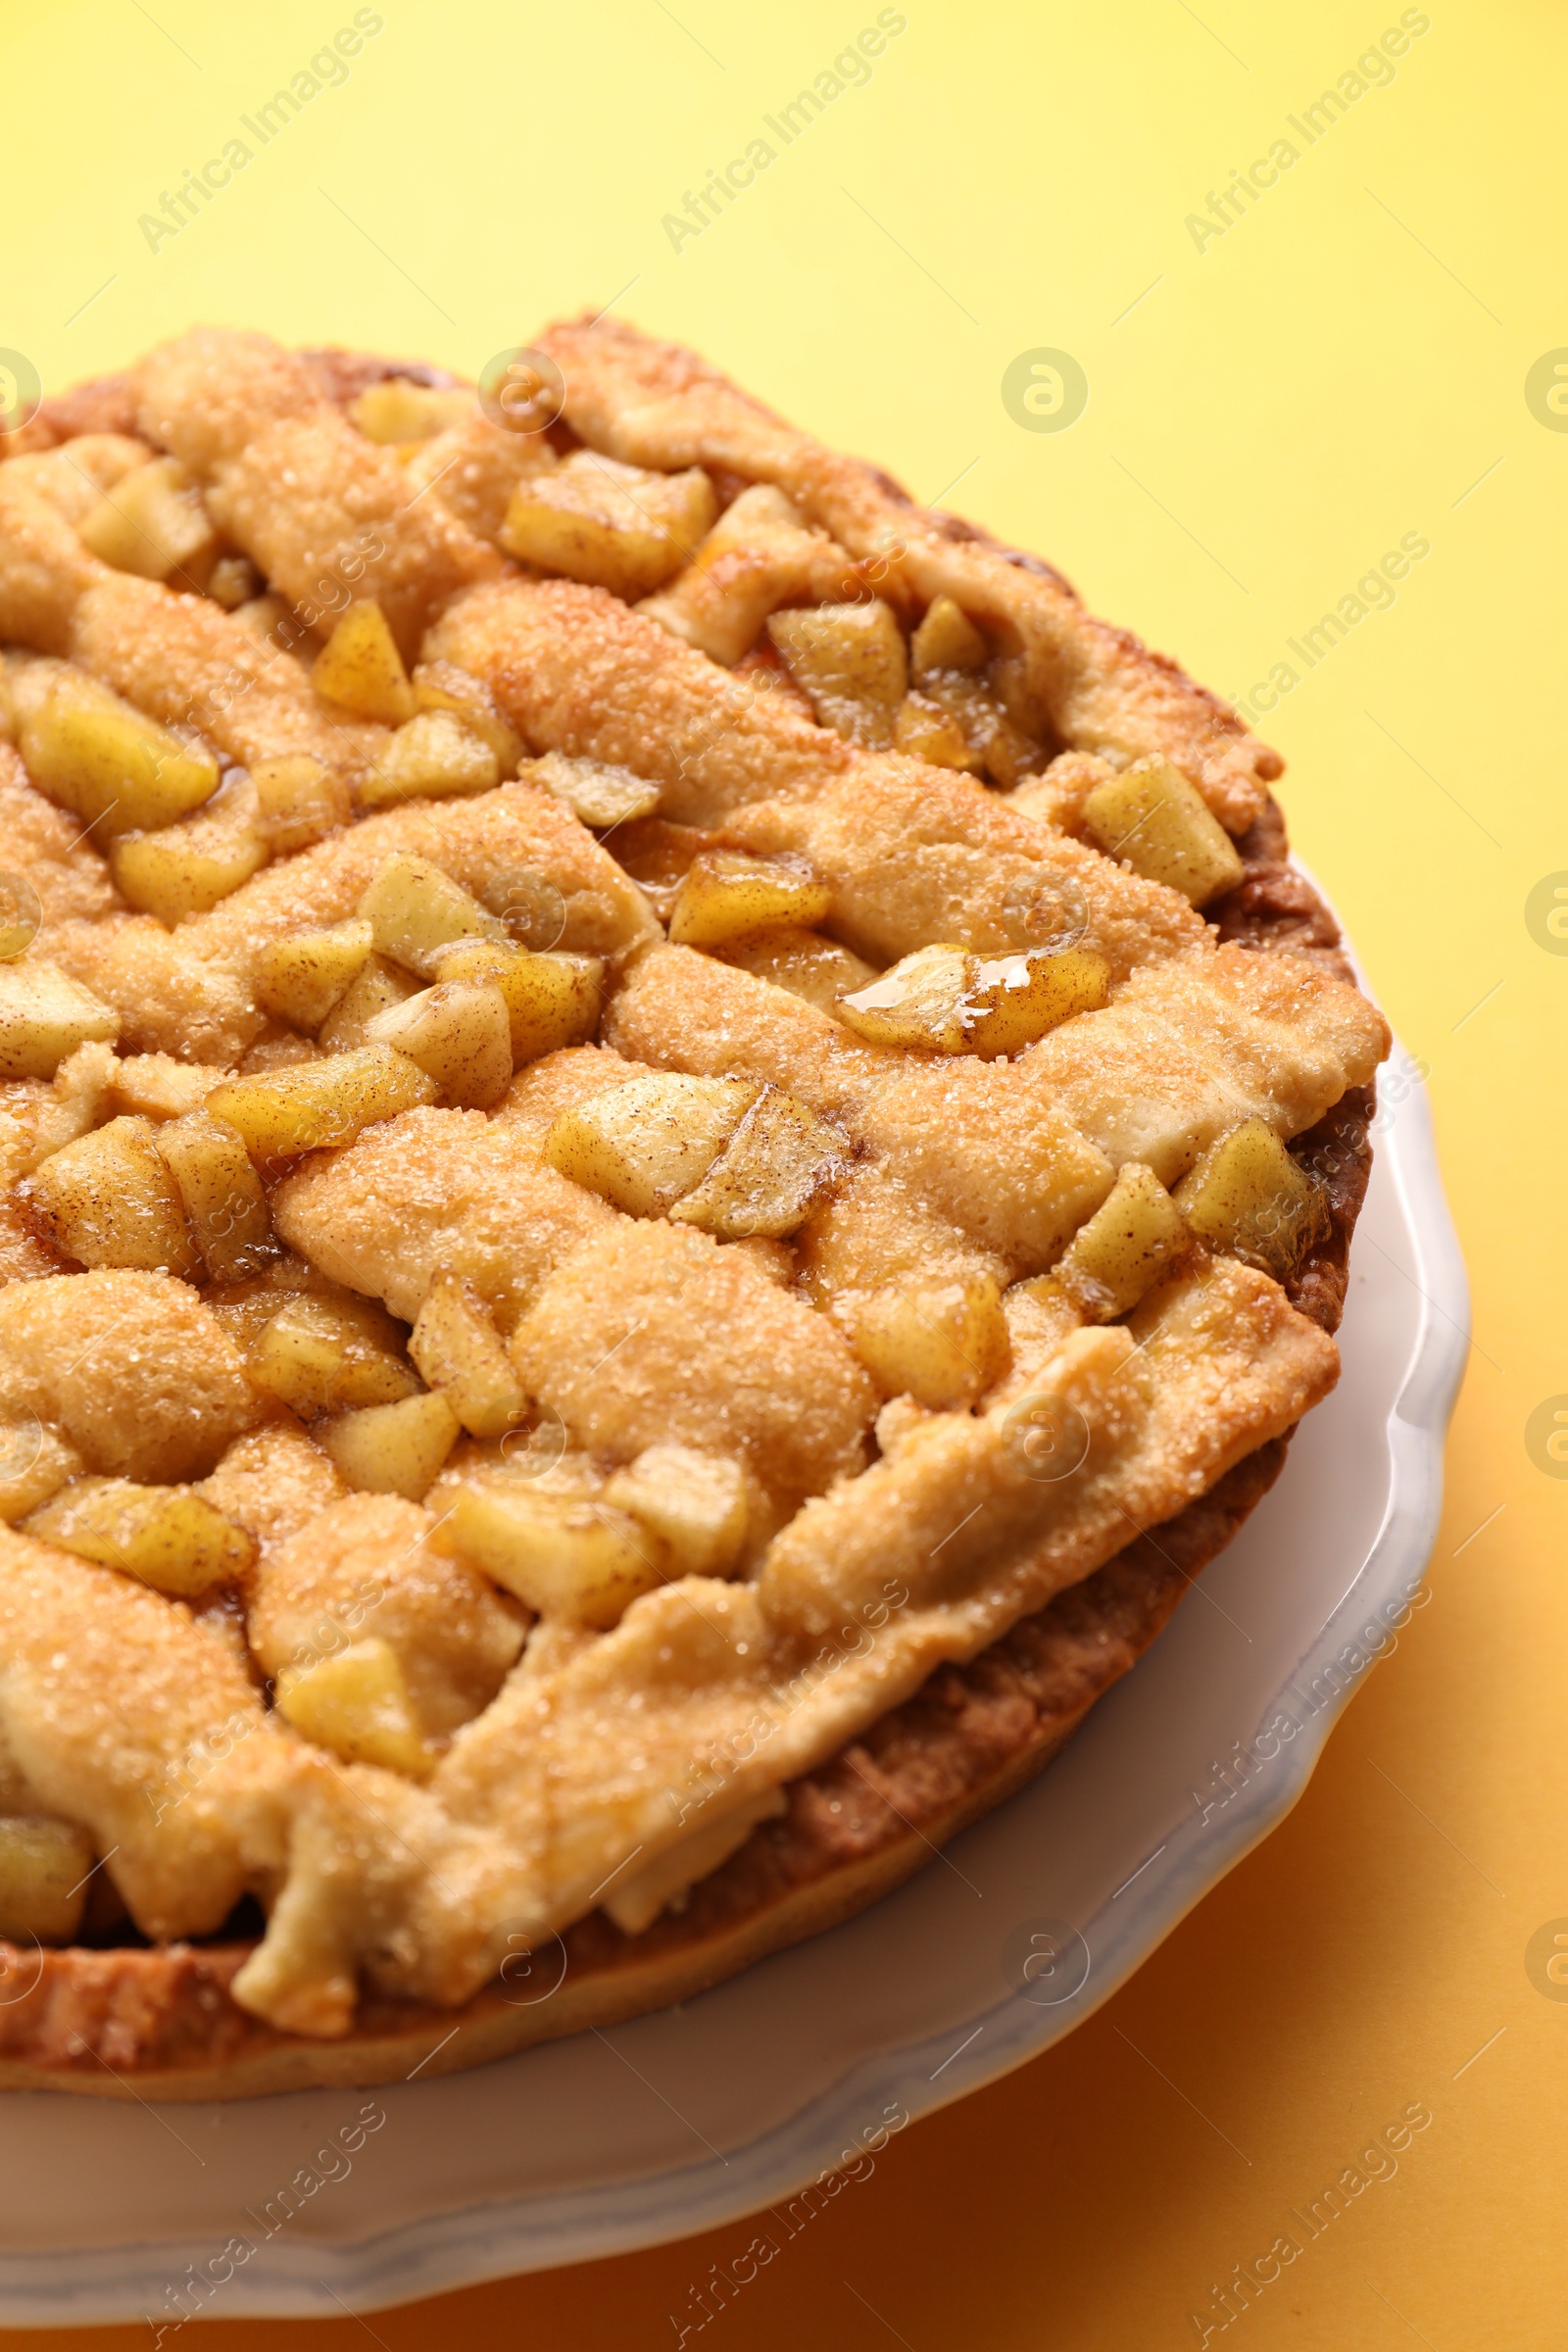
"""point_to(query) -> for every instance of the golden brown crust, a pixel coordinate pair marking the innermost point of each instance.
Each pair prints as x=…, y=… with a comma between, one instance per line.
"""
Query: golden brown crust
x=658, y=404
x=162, y=2022
x=159, y=2024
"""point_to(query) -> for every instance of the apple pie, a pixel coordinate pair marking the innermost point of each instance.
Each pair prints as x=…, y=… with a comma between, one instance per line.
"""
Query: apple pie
x=677, y=1147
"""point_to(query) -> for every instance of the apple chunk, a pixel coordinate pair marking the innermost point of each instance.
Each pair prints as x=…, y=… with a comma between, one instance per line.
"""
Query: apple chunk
x=600, y=794
x=298, y=801
x=414, y=910
x=924, y=730
x=361, y=669
x=329, y=1356
x=1159, y=825
x=946, y=639
x=434, y=756
x=698, y=1505
x=551, y=1000
x=944, y=1343
x=918, y=1003
x=220, y=1193
x=98, y=756
x=1014, y=1000
x=393, y=1448
x=109, y=1200
x=458, y=1350
x=441, y=686
x=167, y=1537
x=725, y=895
x=396, y=409
x=180, y=870
x=459, y=1034
x=1135, y=1234
x=803, y=963
x=781, y=1161
x=313, y=1104
x=377, y=984
x=357, y=1704
x=643, y=1145
x=300, y=977
x=564, y=1555
x=44, y=1016
x=943, y=1000
x=154, y=523
x=1250, y=1199
x=852, y=664
x=616, y=526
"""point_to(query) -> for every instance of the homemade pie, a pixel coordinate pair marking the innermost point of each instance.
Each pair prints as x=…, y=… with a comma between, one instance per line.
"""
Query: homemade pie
x=677, y=1146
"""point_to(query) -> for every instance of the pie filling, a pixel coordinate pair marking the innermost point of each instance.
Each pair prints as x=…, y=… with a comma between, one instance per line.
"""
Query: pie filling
x=623, y=1133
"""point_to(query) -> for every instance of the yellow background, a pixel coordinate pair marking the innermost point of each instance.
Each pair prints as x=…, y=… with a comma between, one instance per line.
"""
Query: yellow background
x=1337, y=370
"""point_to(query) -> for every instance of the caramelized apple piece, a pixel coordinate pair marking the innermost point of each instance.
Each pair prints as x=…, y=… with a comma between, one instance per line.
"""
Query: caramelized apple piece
x=168, y=1537
x=946, y=639
x=434, y=756
x=943, y=1344
x=553, y=1000
x=598, y=793
x=698, y=1506
x=1000, y=747
x=377, y=984
x=300, y=977
x=1159, y=823
x=613, y=525
x=298, y=801
x=1013, y=1000
x=924, y=730
x=44, y=1016
x=809, y=966
x=726, y=894
x=1250, y=1199
x=643, y=1145
x=154, y=523
x=778, y=1164
x=1133, y=1237
x=460, y=1033
x=327, y=1355
x=397, y=409
x=361, y=669
x=110, y=1200
x=185, y=869
x=234, y=581
x=34, y=1463
x=946, y=1001
x=851, y=663
x=44, y=1869
x=393, y=1448
x=414, y=910
x=441, y=686
x=316, y=1103
x=101, y=758
x=221, y=1194
x=357, y=1703
x=761, y=554
x=458, y=1349
x=919, y=1003
x=565, y=1556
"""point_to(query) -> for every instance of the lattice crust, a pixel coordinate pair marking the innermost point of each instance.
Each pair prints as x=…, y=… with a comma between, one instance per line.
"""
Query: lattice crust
x=658, y=405
x=784, y=1329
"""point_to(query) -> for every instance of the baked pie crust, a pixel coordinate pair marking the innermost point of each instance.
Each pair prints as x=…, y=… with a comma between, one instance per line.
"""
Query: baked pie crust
x=592, y=1364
